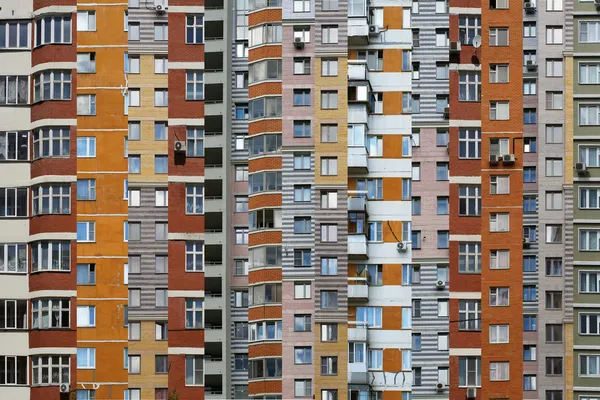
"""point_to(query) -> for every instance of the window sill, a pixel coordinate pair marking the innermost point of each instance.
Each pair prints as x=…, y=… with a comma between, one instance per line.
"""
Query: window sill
x=50, y=270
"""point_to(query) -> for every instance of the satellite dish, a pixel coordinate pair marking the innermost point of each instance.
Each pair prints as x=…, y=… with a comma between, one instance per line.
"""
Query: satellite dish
x=477, y=41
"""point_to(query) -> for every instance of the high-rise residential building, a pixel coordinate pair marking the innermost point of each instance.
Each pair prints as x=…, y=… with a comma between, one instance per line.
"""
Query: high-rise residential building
x=277, y=199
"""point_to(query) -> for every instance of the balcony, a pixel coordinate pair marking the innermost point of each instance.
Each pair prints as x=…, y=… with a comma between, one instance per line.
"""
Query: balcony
x=357, y=204
x=358, y=160
x=358, y=22
x=358, y=289
x=358, y=333
x=358, y=70
x=357, y=246
x=357, y=374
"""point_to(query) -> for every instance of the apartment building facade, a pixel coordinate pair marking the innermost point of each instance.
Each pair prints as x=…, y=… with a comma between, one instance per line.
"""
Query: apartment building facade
x=429, y=274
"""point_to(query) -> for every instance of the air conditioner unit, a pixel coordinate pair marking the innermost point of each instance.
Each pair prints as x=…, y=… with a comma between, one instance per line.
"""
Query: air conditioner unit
x=531, y=66
x=402, y=246
x=454, y=47
x=597, y=3
x=440, y=285
x=160, y=9
x=494, y=159
x=526, y=242
x=439, y=387
x=471, y=393
x=64, y=388
x=374, y=30
x=180, y=147
x=580, y=167
x=298, y=43
x=529, y=8
x=508, y=159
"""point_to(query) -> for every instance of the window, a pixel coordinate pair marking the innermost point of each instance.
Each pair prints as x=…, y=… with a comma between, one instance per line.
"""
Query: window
x=499, y=184
x=499, y=334
x=529, y=264
x=194, y=256
x=529, y=293
x=442, y=70
x=329, y=33
x=554, y=68
x=134, y=297
x=194, y=29
x=329, y=298
x=371, y=315
x=53, y=256
x=553, y=266
x=301, y=128
x=86, y=21
x=417, y=376
x=554, y=100
x=499, y=222
x=554, y=133
x=375, y=359
x=499, y=259
x=554, y=332
x=301, y=66
x=589, y=197
x=441, y=137
x=498, y=37
x=442, y=37
x=301, y=97
x=589, y=115
x=469, y=200
x=161, y=32
x=469, y=86
x=441, y=103
x=302, y=193
x=302, y=290
x=499, y=73
x=329, y=67
x=553, y=300
x=529, y=116
x=86, y=104
x=374, y=59
x=241, y=173
x=194, y=195
x=14, y=90
x=86, y=316
x=529, y=175
x=499, y=371
x=329, y=365
x=443, y=239
x=374, y=231
x=86, y=231
x=554, y=34
x=194, y=370
x=329, y=166
x=469, y=371
x=589, y=73
x=51, y=199
x=241, y=235
x=160, y=62
x=161, y=97
x=86, y=274
x=529, y=352
x=529, y=87
x=52, y=85
x=529, y=29
x=302, y=323
x=415, y=37
x=499, y=110
x=86, y=358
x=442, y=309
x=442, y=171
x=13, y=315
x=557, y=395
x=194, y=85
x=86, y=394
x=554, y=366
x=302, y=387
x=529, y=204
x=194, y=313
x=499, y=296
x=529, y=323
x=553, y=233
x=443, y=205
x=329, y=99
x=86, y=147
x=469, y=26
x=15, y=34
x=50, y=370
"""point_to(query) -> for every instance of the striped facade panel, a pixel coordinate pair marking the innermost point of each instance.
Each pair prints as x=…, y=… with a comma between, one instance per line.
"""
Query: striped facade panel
x=338, y=249
x=568, y=253
x=147, y=17
x=291, y=178
x=238, y=346
x=331, y=18
x=532, y=278
x=148, y=247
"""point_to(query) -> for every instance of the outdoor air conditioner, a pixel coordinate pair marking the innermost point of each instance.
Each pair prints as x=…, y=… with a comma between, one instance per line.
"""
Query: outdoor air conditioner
x=508, y=159
x=531, y=66
x=526, y=242
x=494, y=159
x=440, y=285
x=373, y=30
x=454, y=47
x=402, y=246
x=298, y=43
x=160, y=9
x=580, y=167
x=471, y=393
x=180, y=147
x=597, y=3
x=439, y=387
x=64, y=388
x=529, y=8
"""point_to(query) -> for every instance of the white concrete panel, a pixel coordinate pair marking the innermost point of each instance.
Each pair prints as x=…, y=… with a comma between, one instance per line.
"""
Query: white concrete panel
x=13, y=286
x=391, y=81
x=386, y=253
x=14, y=344
x=397, y=37
x=14, y=231
x=7, y=392
x=391, y=3
x=391, y=380
x=14, y=175
x=390, y=167
x=390, y=295
x=390, y=125
x=389, y=211
x=20, y=62
x=15, y=118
